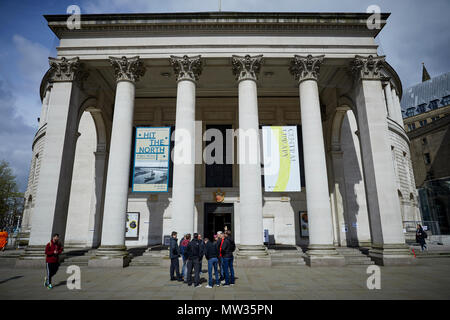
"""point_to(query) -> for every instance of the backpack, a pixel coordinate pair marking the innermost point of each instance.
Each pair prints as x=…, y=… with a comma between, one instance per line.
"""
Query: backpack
x=425, y=235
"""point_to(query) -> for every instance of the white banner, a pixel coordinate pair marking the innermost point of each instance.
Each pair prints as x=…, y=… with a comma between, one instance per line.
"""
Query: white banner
x=281, y=159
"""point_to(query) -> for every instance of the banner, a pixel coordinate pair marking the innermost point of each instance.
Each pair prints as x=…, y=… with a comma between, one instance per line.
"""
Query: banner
x=132, y=226
x=281, y=159
x=151, y=159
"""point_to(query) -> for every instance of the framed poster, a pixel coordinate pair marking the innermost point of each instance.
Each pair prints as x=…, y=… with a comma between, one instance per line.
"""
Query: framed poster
x=281, y=159
x=132, y=226
x=304, y=229
x=151, y=159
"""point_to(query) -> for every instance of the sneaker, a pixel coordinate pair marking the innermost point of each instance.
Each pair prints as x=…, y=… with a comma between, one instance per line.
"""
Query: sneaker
x=217, y=285
x=173, y=279
x=50, y=286
x=181, y=280
x=208, y=286
x=189, y=284
x=226, y=285
x=232, y=284
x=198, y=286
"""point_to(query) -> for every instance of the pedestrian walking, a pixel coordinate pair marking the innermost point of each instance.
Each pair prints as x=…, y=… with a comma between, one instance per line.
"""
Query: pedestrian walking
x=3, y=239
x=212, y=255
x=183, y=245
x=52, y=251
x=421, y=235
x=194, y=254
x=174, y=253
x=228, y=248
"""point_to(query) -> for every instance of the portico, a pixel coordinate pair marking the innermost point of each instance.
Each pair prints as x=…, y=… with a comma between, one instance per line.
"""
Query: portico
x=230, y=71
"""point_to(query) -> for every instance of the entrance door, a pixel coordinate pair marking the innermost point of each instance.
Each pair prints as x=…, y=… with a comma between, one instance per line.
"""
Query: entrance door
x=217, y=216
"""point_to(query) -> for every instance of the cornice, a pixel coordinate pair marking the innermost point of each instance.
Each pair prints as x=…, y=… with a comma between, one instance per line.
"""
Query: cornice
x=214, y=22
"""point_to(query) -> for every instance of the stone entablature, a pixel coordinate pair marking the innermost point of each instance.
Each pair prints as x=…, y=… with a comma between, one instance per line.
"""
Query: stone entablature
x=279, y=22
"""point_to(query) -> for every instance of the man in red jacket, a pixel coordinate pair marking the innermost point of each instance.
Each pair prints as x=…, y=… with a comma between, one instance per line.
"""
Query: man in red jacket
x=52, y=251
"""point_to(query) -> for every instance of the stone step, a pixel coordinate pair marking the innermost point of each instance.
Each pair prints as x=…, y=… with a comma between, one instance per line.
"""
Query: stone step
x=288, y=262
x=353, y=256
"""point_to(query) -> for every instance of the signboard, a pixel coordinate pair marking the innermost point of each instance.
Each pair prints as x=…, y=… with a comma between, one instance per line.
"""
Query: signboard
x=151, y=159
x=132, y=226
x=281, y=160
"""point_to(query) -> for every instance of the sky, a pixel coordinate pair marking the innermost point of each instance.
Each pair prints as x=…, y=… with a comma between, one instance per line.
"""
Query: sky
x=417, y=31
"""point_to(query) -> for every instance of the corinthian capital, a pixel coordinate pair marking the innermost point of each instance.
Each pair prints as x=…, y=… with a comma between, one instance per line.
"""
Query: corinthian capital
x=66, y=70
x=246, y=68
x=367, y=68
x=186, y=68
x=306, y=68
x=127, y=69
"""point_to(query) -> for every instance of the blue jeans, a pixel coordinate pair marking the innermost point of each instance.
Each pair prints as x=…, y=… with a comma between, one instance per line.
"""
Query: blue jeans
x=228, y=264
x=183, y=268
x=213, y=262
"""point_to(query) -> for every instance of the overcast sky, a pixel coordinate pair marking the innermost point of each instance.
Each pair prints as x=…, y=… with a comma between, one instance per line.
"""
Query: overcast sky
x=417, y=31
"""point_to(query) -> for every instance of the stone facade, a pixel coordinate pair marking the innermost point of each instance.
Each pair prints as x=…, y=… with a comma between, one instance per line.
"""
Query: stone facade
x=353, y=142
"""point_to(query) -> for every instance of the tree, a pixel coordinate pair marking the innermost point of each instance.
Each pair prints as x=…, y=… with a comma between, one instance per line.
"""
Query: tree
x=11, y=200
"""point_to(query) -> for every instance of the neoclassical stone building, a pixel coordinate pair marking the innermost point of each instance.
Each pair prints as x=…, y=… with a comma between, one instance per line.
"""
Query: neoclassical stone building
x=223, y=70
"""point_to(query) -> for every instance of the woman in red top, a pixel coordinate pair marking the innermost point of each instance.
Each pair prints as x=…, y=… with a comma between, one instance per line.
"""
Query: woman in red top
x=52, y=251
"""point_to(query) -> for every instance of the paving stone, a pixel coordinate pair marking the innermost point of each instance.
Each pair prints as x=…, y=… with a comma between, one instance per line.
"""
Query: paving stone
x=429, y=281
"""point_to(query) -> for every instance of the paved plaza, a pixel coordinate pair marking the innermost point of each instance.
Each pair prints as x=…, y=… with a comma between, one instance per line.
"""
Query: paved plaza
x=428, y=280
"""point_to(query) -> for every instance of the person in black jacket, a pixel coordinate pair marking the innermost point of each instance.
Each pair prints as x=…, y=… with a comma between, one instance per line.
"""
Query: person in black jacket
x=228, y=248
x=194, y=254
x=174, y=253
x=421, y=235
x=212, y=255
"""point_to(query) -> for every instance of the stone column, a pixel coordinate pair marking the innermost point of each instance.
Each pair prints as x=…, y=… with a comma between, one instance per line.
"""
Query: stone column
x=44, y=109
x=187, y=69
x=389, y=100
x=251, y=246
x=321, y=250
x=53, y=190
x=397, y=108
x=388, y=241
x=112, y=251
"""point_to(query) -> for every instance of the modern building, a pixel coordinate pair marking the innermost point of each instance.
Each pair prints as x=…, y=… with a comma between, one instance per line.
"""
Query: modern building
x=426, y=113
x=222, y=70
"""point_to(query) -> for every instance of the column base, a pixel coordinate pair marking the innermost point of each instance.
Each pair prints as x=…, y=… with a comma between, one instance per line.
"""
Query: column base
x=253, y=256
x=391, y=254
x=110, y=257
x=323, y=255
x=34, y=256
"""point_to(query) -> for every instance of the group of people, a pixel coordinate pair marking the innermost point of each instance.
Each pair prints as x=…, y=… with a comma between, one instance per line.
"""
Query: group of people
x=218, y=252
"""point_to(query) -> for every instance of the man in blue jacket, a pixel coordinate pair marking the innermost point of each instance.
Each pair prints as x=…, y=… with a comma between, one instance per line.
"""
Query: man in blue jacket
x=212, y=255
x=194, y=254
x=174, y=253
x=228, y=248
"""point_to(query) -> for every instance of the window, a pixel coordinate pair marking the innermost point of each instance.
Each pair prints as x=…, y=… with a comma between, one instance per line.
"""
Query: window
x=219, y=174
x=410, y=112
x=411, y=126
x=427, y=158
x=424, y=141
x=434, y=118
x=433, y=104
x=421, y=108
x=445, y=101
x=423, y=122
